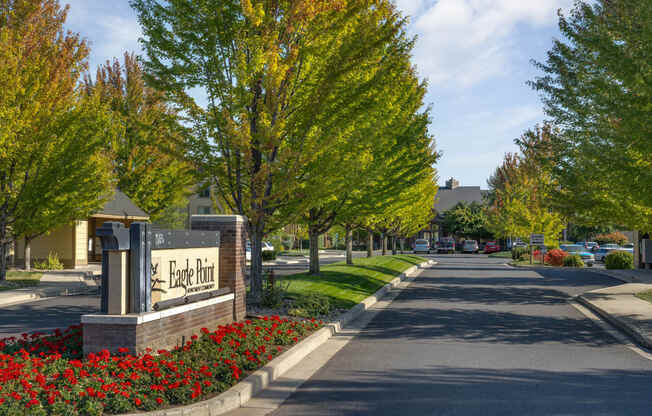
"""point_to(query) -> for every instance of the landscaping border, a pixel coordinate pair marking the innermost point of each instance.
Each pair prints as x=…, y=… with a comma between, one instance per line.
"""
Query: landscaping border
x=241, y=393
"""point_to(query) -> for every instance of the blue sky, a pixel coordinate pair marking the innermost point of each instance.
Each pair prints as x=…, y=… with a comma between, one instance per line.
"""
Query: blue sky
x=475, y=54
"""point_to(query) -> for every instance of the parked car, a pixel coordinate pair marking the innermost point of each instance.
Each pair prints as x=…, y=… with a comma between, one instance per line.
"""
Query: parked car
x=611, y=246
x=602, y=252
x=421, y=246
x=628, y=246
x=587, y=256
x=470, y=246
x=267, y=246
x=446, y=245
x=491, y=247
x=589, y=245
x=248, y=251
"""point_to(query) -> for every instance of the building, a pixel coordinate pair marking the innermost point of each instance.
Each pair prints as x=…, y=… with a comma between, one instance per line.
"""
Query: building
x=451, y=195
x=201, y=203
x=77, y=244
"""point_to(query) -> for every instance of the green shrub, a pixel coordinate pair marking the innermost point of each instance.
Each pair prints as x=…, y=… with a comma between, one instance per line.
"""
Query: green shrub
x=619, y=260
x=269, y=255
x=52, y=263
x=519, y=252
x=274, y=292
x=573, y=261
x=310, y=306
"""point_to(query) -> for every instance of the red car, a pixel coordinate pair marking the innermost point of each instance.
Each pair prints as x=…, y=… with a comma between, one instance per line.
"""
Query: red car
x=491, y=247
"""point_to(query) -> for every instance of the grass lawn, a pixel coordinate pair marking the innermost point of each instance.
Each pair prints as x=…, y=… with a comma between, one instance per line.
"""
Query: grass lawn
x=294, y=253
x=501, y=255
x=17, y=280
x=645, y=295
x=349, y=285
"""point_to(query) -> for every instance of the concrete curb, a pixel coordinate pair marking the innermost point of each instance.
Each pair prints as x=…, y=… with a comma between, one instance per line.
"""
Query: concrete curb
x=619, y=323
x=241, y=393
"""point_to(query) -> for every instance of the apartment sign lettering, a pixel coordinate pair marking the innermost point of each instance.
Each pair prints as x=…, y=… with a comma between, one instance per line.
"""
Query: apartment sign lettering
x=177, y=273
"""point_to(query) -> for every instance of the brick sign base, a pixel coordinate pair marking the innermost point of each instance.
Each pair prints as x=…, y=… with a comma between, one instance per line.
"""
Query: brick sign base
x=156, y=330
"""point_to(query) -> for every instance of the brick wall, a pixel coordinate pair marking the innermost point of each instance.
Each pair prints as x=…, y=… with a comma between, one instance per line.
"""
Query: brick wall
x=165, y=333
x=233, y=238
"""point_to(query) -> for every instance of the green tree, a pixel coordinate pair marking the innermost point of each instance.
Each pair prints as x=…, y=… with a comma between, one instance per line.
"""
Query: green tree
x=596, y=87
x=522, y=190
x=151, y=152
x=53, y=163
x=468, y=220
x=271, y=73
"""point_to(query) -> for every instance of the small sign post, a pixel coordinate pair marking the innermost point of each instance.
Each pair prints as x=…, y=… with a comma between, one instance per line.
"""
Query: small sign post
x=535, y=240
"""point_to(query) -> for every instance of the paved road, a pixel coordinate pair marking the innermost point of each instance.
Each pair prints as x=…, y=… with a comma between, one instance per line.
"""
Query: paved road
x=45, y=315
x=473, y=337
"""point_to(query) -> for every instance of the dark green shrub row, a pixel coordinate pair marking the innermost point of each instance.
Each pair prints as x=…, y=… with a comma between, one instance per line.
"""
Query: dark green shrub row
x=573, y=261
x=619, y=260
x=519, y=252
x=269, y=255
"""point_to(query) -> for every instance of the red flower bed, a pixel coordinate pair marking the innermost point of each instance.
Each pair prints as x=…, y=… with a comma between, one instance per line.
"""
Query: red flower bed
x=46, y=374
x=555, y=257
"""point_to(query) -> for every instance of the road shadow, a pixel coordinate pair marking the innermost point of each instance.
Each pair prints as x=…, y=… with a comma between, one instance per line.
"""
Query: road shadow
x=475, y=325
x=441, y=390
x=487, y=295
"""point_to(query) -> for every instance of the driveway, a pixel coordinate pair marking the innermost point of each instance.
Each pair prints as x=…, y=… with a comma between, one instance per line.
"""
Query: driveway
x=471, y=336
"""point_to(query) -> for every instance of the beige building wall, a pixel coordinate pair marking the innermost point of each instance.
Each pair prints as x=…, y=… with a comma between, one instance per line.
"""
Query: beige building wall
x=81, y=243
x=60, y=241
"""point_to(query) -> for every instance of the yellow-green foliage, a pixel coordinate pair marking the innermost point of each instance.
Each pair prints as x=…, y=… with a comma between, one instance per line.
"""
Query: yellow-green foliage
x=52, y=163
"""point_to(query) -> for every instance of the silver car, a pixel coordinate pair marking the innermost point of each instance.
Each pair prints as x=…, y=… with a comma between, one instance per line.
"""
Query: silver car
x=421, y=246
x=470, y=246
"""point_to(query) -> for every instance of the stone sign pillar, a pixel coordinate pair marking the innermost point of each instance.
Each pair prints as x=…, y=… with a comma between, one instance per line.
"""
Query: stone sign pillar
x=115, y=246
x=232, y=264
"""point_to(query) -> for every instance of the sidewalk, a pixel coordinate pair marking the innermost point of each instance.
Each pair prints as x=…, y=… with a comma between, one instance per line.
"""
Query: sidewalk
x=628, y=276
x=621, y=308
x=54, y=283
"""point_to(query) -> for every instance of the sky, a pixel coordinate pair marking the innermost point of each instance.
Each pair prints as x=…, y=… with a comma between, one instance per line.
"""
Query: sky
x=475, y=55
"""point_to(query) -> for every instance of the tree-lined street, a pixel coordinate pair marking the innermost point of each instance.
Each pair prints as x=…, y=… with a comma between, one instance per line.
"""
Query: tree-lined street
x=471, y=336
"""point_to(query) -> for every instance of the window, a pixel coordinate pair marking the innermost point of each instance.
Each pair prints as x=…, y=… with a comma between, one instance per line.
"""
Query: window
x=203, y=210
x=205, y=193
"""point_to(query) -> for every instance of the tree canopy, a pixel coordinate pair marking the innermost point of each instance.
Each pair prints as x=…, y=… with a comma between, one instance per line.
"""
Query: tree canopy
x=596, y=88
x=53, y=163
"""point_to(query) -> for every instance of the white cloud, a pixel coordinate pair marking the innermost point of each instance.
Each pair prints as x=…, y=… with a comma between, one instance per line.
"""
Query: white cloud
x=112, y=29
x=464, y=42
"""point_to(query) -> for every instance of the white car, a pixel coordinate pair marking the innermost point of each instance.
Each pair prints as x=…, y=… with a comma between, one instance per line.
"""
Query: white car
x=470, y=246
x=267, y=246
x=421, y=246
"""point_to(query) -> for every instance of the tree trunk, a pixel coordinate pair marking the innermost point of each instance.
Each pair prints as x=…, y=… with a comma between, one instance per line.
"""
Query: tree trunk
x=402, y=245
x=3, y=259
x=349, y=244
x=314, y=251
x=384, y=237
x=394, y=246
x=370, y=243
x=256, y=239
x=28, y=254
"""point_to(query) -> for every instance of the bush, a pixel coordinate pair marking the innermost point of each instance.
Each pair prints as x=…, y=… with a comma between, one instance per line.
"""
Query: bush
x=619, y=260
x=314, y=304
x=274, y=292
x=269, y=255
x=555, y=257
x=519, y=252
x=52, y=263
x=573, y=261
x=611, y=238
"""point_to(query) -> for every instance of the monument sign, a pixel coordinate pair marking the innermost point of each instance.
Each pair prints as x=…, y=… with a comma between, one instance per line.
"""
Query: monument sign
x=159, y=287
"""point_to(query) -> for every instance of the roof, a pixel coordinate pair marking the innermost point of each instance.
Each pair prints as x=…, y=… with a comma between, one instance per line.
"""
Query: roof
x=121, y=206
x=447, y=198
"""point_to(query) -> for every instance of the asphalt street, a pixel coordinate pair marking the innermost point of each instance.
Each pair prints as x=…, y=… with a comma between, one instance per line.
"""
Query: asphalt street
x=45, y=315
x=471, y=336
